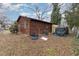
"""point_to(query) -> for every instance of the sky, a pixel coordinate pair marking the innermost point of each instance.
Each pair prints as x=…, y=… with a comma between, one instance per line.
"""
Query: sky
x=14, y=10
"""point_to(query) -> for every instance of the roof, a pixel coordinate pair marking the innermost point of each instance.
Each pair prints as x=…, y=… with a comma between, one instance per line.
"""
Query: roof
x=33, y=19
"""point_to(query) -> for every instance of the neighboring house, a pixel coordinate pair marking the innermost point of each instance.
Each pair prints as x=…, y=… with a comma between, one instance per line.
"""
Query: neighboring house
x=31, y=26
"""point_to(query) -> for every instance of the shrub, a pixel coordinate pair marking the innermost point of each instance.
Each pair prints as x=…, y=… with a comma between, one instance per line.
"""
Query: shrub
x=14, y=28
x=75, y=46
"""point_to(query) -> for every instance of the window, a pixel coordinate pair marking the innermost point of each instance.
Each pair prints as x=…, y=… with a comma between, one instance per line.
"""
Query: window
x=24, y=25
x=18, y=25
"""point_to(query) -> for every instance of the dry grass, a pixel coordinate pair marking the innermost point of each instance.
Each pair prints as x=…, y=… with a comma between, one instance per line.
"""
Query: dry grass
x=22, y=45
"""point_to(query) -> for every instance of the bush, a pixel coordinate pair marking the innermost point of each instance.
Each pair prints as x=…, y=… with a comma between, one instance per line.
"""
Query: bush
x=75, y=46
x=14, y=28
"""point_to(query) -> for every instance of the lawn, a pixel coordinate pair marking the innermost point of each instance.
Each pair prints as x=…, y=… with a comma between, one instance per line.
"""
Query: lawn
x=22, y=45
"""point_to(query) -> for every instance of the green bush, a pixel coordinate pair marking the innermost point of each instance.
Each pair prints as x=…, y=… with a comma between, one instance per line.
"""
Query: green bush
x=75, y=46
x=14, y=28
x=76, y=51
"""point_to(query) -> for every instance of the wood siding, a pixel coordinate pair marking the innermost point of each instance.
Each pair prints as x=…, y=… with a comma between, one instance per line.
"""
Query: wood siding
x=39, y=27
x=22, y=22
x=33, y=26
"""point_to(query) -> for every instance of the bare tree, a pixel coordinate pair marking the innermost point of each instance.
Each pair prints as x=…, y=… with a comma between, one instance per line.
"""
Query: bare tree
x=40, y=14
x=4, y=21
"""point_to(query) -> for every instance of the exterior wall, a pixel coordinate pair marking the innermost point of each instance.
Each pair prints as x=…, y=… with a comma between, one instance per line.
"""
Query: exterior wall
x=29, y=26
x=23, y=25
x=37, y=27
